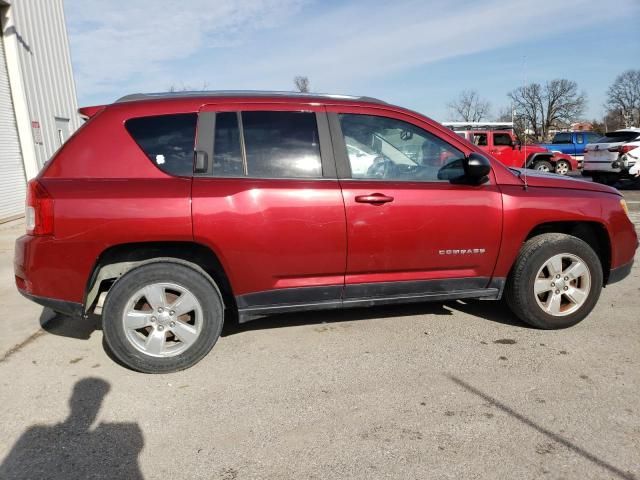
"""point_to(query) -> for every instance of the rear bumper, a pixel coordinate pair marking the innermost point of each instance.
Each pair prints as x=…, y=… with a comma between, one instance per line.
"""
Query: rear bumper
x=620, y=273
x=60, y=306
x=604, y=166
x=48, y=268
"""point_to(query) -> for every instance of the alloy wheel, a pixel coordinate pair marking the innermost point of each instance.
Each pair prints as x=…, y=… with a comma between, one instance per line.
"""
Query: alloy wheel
x=162, y=319
x=562, y=284
x=562, y=167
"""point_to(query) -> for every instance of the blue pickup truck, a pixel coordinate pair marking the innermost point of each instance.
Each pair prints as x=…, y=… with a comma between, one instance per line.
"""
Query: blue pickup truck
x=572, y=143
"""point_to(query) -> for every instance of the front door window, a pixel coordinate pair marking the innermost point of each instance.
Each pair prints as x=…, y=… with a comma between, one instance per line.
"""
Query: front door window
x=381, y=148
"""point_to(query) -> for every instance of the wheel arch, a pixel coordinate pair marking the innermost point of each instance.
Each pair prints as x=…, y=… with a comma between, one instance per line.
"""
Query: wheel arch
x=593, y=233
x=117, y=260
x=547, y=156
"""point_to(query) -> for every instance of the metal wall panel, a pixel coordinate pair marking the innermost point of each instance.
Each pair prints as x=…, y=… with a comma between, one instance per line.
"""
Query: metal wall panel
x=46, y=70
x=12, y=178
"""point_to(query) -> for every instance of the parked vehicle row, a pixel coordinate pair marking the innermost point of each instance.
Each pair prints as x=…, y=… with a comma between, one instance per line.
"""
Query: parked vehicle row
x=603, y=158
x=163, y=212
x=506, y=147
x=501, y=142
x=571, y=143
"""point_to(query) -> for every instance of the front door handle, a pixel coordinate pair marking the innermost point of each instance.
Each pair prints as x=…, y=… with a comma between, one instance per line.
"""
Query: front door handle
x=375, y=198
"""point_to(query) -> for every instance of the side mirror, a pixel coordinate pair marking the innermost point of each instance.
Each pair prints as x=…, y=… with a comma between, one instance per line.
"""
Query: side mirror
x=477, y=167
x=516, y=144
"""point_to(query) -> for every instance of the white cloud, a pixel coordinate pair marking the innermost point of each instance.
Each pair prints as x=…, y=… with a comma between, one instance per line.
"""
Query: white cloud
x=261, y=44
x=366, y=39
x=136, y=42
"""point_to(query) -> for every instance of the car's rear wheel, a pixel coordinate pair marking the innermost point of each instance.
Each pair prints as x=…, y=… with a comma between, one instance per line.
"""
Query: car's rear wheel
x=555, y=282
x=162, y=317
x=543, y=166
x=562, y=167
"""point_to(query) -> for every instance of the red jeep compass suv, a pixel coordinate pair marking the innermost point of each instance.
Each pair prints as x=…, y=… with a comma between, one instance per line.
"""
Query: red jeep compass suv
x=164, y=210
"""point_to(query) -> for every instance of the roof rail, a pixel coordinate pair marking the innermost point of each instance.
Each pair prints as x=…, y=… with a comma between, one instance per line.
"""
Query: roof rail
x=479, y=125
x=239, y=93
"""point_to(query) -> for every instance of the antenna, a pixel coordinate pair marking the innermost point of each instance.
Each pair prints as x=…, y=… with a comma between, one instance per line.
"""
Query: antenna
x=524, y=88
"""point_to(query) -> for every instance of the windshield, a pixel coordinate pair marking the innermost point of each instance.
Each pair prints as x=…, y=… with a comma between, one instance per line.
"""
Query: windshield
x=616, y=137
x=562, y=138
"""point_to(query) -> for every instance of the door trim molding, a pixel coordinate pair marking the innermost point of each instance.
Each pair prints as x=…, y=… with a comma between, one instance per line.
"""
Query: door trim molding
x=365, y=295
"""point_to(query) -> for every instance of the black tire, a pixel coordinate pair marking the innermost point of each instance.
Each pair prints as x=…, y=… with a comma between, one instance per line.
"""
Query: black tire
x=195, y=282
x=562, y=167
x=519, y=292
x=542, y=166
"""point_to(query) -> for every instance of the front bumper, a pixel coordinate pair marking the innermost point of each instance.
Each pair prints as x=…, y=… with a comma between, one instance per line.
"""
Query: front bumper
x=619, y=273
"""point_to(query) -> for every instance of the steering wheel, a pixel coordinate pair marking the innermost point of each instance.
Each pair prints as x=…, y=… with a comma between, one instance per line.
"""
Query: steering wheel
x=381, y=167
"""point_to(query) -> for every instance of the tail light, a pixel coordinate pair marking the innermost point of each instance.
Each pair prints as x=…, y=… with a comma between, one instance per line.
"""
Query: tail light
x=622, y=149
x=39, y=210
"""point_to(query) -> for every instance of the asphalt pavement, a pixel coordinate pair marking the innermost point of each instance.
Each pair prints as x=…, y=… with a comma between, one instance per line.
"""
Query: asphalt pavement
x=443, y=390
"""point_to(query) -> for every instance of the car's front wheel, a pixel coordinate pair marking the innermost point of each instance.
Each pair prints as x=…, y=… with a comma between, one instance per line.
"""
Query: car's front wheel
x=555, y=282
x=162, y=317
x=562, y=167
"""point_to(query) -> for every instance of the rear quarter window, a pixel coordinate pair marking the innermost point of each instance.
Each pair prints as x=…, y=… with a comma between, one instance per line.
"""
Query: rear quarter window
x=168, y=140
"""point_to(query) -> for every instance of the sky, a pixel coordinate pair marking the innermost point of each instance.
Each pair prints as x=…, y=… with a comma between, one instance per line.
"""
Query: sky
x=418, y=54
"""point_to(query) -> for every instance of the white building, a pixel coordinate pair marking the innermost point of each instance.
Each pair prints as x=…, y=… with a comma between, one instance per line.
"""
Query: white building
x=38, y=106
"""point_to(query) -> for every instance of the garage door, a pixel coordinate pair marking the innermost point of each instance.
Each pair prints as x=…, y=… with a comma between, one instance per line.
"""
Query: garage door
x=12, y=179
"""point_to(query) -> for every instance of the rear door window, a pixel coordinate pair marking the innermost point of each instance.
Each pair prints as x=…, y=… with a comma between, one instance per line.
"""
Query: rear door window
x=281, y=144
x=264, y=144
x=168, y=140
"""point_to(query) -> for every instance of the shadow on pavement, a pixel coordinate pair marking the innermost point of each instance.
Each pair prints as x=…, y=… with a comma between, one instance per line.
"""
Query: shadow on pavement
x=71, y=449
x=628, y=185
x=65, y=326
x=614, y=471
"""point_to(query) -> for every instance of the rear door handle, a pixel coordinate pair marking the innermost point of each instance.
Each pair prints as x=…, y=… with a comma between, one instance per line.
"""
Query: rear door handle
x=375, y=198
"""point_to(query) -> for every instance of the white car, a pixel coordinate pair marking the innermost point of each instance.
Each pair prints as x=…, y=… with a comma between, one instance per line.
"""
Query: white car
x=632, y=159
x=606, y=160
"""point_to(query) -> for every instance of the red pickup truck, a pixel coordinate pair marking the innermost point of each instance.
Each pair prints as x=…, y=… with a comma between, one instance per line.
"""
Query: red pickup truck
x=505, y=146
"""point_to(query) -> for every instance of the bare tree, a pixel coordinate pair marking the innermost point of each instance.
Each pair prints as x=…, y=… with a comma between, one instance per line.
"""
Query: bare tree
x=623, y=97
x=301, y=83
x=469, y=107
x=613, y=120
x=556, y=104
x=187, y=88
x=507, y=114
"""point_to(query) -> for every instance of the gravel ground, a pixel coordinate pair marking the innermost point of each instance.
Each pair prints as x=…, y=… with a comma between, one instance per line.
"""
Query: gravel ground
x=453, y=390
